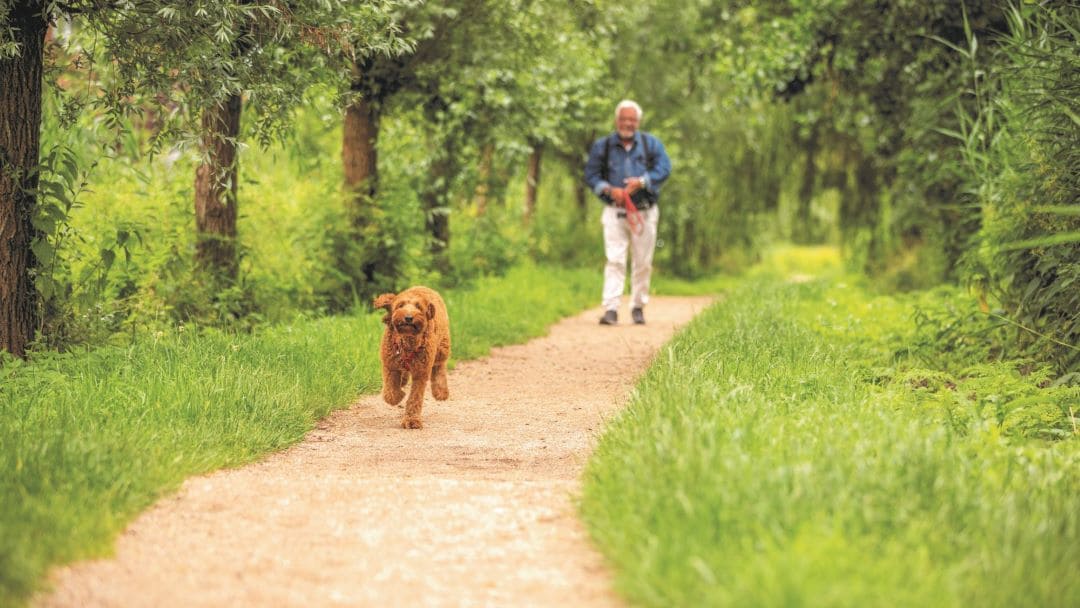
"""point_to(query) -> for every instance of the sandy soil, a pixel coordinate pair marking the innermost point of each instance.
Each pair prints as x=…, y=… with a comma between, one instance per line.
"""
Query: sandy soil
x=476, y=509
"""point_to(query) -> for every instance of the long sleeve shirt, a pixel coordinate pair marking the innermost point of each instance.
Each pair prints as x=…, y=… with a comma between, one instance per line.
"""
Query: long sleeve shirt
x=623, y=164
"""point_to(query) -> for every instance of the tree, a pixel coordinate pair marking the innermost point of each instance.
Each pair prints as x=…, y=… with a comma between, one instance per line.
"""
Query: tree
x=20, y=133
x=449, y=42
x=191, y=55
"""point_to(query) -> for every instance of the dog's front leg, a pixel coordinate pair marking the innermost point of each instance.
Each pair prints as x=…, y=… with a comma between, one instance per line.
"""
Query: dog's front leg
x=392, y=379
x=415, y=402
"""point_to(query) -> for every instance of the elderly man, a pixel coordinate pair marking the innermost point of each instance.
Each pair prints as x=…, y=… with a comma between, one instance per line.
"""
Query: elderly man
x=626, y=169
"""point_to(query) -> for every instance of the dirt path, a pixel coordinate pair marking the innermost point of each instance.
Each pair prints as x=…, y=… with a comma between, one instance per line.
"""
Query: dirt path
x=476, y=509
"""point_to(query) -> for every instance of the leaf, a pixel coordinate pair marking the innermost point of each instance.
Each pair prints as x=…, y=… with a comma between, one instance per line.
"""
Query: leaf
x=1049, y=240
x=44, y=223
x=43, y=251
x=1072, y=210
x=107, y=258
x=951, y=133
x=1068, y=112
x=1067, y=379
x=46, y=287
x=952, y=46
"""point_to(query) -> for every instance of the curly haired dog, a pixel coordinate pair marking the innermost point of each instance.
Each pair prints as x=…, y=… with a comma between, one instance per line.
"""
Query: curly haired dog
x=416, y=344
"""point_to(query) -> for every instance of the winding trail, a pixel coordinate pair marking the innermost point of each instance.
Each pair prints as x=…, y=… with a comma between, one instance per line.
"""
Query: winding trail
x=476, y=509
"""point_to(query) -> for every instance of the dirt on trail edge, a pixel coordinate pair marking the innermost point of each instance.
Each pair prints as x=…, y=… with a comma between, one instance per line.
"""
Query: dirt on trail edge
x=476, y=509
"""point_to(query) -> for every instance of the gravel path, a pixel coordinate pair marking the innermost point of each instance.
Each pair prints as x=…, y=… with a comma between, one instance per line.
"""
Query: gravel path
x=476, y=509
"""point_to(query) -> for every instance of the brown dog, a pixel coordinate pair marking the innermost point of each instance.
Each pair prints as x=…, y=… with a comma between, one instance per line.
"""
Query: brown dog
x=416, y=344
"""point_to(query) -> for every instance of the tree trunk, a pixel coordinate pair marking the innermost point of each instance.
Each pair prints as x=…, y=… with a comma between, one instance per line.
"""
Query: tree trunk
x=436, y=192
x=361, y=260
x=582, y=193
x=215, y=190
x=436, y=199
x=869, y=197
x=803, y=231
x=483, y=179
x=359, y=152
x=532, y=181
x=20, y=141
x=581, y=196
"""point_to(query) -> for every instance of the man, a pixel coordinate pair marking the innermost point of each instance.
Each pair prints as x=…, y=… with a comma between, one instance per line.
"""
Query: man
x=626, y=169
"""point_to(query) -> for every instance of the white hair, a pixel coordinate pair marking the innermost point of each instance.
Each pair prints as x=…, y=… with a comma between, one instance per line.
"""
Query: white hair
x=629, y=103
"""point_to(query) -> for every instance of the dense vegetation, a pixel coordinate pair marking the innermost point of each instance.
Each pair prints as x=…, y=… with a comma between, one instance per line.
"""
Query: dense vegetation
x=934, y=141
x=806, y=444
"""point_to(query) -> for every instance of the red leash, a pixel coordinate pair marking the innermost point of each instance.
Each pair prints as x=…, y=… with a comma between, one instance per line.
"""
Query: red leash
x=633, y=216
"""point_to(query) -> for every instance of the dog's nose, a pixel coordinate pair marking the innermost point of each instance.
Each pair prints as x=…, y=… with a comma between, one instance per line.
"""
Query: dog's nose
x=408, y=318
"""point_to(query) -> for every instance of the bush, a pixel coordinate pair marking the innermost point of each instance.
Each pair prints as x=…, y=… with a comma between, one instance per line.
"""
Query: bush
x=1027, y=183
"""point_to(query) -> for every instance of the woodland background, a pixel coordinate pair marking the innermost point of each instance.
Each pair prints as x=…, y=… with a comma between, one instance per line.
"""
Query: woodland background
x=239, y=163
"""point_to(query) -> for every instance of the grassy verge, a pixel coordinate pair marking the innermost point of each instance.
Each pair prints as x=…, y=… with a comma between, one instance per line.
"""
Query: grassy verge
x=87, y=441
x=780, y=452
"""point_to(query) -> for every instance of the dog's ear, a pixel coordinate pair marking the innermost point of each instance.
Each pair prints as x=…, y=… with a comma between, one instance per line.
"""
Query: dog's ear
x=385, y=300
x=386, y=319
x=430, y=311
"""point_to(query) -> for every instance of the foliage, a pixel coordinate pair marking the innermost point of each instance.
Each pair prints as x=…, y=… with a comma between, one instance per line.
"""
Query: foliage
x=897, y=130
x=173, y=60
x=794, y=457
x=176, y=58
x=1016, y=399
x=730, y=158
x=1020, y=148
x=950, y=330
x=946, y=130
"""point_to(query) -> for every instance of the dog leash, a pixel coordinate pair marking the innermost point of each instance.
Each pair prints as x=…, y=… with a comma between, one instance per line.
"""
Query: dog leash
x=633, y=216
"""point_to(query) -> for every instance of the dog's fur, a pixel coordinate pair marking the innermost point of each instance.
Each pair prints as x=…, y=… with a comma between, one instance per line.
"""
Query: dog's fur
x=416, y=344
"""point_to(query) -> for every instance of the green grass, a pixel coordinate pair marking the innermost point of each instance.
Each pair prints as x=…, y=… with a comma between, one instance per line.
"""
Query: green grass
x=665, y=285
x=798, y=263
x=777, y=454
x=89, y=440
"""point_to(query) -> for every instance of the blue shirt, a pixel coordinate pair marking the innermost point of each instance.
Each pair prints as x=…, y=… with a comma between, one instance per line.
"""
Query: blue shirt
x=624, y=163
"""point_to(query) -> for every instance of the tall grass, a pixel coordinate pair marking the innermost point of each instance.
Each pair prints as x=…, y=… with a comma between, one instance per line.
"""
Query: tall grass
x=88, y=440
x=1020, y=149
x=774, y=455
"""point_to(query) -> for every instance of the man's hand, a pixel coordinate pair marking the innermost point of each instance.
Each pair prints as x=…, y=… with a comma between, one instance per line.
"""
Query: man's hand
x=633, y=184
x=617, y=195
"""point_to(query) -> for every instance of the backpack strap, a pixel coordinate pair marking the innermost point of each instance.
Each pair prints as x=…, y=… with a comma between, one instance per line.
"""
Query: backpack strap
x=650, y=161
x=604, y=159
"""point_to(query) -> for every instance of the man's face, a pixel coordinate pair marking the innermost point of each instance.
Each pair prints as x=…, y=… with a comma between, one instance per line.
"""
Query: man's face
x=626, y=123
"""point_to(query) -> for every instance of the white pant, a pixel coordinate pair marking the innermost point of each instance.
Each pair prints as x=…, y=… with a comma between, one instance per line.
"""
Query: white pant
x=617, y=239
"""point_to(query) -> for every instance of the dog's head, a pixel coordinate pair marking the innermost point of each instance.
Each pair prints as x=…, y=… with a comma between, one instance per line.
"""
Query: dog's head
x=407, y=312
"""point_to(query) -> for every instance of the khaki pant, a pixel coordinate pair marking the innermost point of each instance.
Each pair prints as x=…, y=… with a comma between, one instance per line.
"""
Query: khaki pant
x=618, y=238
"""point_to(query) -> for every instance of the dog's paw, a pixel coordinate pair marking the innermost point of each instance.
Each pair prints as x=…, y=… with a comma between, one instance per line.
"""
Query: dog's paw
x=441, y=393
x=393, y=396
x=409, y=422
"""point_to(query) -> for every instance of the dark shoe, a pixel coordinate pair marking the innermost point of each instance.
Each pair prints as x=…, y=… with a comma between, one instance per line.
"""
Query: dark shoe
x=639, y=316
x=610, y=318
